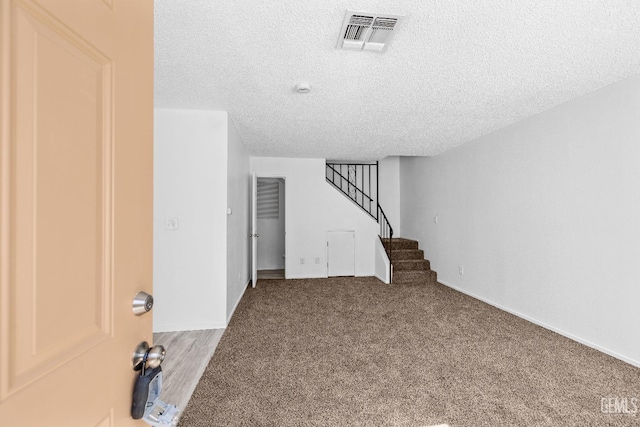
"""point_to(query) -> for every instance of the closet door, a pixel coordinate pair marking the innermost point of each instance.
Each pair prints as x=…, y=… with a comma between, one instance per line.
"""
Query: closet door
x=341, y=253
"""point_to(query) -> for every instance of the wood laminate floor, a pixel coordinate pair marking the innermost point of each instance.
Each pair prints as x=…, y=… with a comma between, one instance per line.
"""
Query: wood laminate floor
x=188, y=354
x=270, y=274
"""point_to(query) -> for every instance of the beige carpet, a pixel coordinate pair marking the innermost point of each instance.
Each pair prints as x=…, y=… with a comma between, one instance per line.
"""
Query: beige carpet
x=356, y=352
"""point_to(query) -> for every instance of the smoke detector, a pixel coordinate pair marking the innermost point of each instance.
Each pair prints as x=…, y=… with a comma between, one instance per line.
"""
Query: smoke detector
x=303, y=87
x=367, y=31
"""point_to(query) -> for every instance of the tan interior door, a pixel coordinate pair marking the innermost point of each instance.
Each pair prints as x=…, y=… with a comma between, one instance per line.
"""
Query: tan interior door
x=76, y=159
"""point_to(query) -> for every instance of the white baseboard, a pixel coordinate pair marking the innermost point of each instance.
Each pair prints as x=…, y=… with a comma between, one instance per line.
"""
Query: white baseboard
x=381, y=278
x=304, y=277
x=197, y=326
x=236, y=304
x=612, y=353
x=187, y=326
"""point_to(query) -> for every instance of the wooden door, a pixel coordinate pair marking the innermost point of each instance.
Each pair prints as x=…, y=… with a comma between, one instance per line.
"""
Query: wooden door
x=76, y=111
x=340, y=253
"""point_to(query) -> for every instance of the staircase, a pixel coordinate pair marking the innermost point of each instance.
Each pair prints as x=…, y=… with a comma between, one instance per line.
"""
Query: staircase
x=409, y=265
x=359, y=182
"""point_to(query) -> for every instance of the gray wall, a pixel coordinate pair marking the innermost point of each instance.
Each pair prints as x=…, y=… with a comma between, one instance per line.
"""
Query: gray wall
x=543, y=216
x=238, y=222
x=190, y=262
x=200, y=269
x=313, y=208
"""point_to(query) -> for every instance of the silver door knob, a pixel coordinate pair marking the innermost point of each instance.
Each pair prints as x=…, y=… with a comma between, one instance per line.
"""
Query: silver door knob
x=142, y=303
x=156, y=356
x=145, y=357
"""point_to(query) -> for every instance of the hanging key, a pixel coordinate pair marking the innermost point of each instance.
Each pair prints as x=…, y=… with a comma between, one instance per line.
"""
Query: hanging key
x=141, y=391
x=144, y=364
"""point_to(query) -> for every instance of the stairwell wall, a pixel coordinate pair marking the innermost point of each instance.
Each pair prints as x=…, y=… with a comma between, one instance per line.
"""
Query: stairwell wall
x=543, y=217
x=389, y=191
x=313, y=207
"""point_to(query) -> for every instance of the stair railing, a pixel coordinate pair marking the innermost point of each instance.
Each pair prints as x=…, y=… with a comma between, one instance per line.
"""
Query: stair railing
x=386, y=232
x=349, y=186
x=354, y=180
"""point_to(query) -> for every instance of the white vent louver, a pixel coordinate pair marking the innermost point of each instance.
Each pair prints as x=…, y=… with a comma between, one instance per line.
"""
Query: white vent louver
x=268, y=200
x=367, y=31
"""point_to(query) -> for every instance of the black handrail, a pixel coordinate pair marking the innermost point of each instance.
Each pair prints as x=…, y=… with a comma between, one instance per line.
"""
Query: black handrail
x=386, y=232
x=351, y=186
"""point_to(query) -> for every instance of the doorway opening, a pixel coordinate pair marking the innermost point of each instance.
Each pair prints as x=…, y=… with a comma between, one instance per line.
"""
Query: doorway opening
x=270, y=206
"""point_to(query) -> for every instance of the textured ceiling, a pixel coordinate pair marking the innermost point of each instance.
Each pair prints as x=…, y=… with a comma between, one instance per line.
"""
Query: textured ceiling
x=455, y=70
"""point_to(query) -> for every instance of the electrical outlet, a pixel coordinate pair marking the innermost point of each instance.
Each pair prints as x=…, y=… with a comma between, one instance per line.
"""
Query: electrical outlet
x=461, y=270
x=435, y=219
x=317, y=260
x=301, y=260
x=171, y=224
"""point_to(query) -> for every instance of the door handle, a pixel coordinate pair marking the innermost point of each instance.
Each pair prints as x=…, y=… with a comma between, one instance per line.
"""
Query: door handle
x=147, y=357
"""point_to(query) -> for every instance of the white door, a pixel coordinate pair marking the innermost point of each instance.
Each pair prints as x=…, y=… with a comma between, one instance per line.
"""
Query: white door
x=254, y=230
x=76, y=188
x=341, y=253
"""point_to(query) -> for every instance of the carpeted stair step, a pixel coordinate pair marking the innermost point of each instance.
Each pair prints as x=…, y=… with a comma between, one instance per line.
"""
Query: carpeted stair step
x=418, y=276
x=402, y=254
x=400, y=243
x=410, y=264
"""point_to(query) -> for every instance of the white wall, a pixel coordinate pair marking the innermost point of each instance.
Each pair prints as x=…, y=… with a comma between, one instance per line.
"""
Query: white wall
x=543, y=216
x=271, y=241
x=238, y=194
x=389, y=191
x=312, y=208
x=190, y=263
x=383, y=266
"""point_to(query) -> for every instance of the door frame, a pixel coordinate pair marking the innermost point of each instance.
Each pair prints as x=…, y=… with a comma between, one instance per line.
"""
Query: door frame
x=286, y=215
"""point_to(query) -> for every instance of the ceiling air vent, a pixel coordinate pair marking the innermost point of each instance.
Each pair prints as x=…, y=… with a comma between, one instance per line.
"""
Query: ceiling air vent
x=367, y=31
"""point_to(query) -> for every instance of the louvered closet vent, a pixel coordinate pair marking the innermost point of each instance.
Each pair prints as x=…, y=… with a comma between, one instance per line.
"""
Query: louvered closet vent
x=367, y=31
x=268, y=200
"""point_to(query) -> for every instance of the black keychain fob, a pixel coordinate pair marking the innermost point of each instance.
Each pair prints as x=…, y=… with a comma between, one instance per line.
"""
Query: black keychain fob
x=142, y=390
